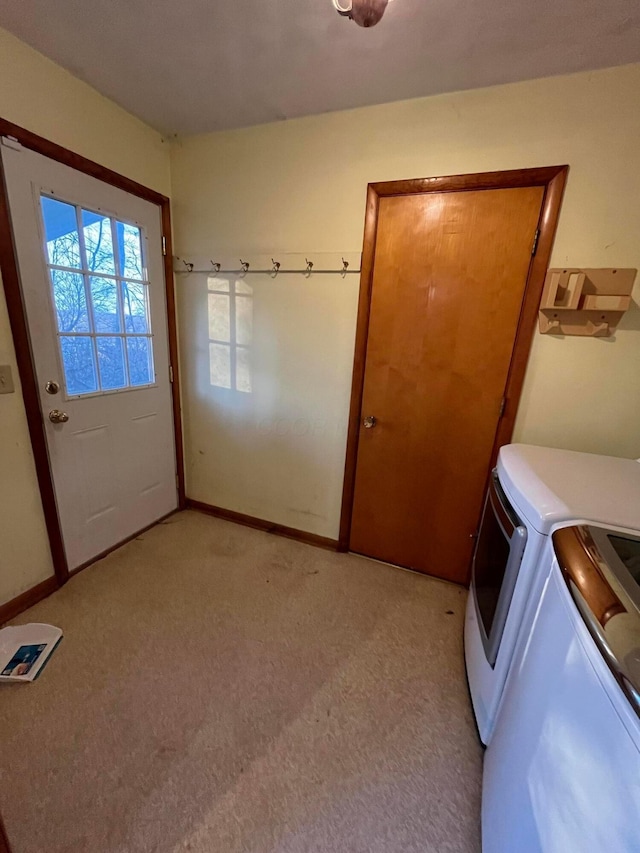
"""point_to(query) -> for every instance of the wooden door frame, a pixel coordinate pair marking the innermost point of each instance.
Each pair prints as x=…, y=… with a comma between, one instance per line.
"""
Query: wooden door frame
x=553, y=179
x=4, y=841
x=10, y=271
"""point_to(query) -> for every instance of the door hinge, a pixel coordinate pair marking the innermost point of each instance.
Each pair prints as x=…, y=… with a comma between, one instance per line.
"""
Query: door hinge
x=170, y=373
x=164, y=246
x=11, y=142
x=536, y=237
x=503, y=406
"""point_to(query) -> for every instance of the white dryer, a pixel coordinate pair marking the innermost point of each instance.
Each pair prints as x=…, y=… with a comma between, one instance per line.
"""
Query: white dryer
x=531, y=490
x=562, y=771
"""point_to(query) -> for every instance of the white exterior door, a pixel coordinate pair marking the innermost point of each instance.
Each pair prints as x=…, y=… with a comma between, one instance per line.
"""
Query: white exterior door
x=90, y=259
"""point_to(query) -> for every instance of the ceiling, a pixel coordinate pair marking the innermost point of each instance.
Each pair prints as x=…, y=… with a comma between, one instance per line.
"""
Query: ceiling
x=188, y=66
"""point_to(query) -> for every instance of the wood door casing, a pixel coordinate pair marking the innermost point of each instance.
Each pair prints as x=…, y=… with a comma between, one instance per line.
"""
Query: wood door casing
x=448, y=282
x=4, y=841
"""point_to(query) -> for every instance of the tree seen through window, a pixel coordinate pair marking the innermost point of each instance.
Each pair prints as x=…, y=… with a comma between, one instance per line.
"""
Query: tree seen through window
x=101, y=298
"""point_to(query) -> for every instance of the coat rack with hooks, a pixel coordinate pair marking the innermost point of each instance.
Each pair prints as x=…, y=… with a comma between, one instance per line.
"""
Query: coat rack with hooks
x=185, y=267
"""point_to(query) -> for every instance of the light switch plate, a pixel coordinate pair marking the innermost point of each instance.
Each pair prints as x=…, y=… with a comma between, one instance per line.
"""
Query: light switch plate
x=6, y=379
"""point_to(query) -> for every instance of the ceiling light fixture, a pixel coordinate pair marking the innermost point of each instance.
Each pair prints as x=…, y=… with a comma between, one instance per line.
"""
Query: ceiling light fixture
x=366, y=13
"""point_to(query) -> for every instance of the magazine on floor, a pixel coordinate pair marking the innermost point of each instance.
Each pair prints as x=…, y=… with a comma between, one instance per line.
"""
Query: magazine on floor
x=25, y=649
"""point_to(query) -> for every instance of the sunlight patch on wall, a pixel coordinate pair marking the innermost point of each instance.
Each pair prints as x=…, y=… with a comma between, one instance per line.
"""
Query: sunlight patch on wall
x=230, y=311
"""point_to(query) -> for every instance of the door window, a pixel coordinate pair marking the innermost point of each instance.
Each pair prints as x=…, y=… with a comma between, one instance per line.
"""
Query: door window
x=100, y=294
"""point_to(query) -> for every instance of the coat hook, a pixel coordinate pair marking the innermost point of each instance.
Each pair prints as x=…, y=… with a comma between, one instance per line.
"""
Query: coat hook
x=216, y=266
x=245, y=265
x=309, y=265
x=345, y=266
x=188, y=266
x=276, y=265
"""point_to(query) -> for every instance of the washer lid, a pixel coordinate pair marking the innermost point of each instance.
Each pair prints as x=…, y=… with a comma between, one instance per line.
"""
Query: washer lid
x=548, y=485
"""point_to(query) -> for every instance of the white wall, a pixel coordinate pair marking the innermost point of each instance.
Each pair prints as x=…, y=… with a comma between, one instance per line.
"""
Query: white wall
x=300, y=186
x=39, y=95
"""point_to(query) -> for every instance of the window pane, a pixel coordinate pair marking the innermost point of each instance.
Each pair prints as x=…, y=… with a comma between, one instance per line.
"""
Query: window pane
x=130, y=250
x=243, y=370
x=219, y=325
x=140, y=361
x=111, y=362
x=220, y=365
x=98, y=242
x=61, y=232
x=79, y=365
x=70, y=300
x=244, y=320
x=104, y=297
x=135, y=302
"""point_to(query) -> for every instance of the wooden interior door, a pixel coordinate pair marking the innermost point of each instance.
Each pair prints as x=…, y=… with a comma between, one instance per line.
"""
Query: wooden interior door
x=447, y=287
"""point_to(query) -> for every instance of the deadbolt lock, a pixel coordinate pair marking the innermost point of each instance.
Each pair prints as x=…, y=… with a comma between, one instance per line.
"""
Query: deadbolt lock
x=52, y=387
x=369, y=422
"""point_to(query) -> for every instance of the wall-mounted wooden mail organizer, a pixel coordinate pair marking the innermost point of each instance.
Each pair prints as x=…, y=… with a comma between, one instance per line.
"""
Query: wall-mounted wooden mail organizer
x=585, y=301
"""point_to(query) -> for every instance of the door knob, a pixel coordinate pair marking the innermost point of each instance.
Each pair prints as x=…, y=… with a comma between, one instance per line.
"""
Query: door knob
x=369, y=422
x=58, y=417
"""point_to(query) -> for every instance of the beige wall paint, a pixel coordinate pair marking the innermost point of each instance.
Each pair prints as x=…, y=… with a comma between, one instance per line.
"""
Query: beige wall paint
x=39, y=95
x=273, y=450
x=300, y=186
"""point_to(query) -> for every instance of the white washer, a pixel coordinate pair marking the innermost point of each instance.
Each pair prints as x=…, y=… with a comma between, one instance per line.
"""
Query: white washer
x=562, y=771
x=532, y=489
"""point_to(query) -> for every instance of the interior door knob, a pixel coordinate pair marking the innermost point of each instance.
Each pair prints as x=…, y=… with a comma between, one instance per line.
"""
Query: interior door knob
x=58, y=417
x=369, y=422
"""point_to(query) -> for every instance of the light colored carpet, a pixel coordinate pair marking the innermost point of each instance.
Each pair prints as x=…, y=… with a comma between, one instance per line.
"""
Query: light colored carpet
x=221, y=690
